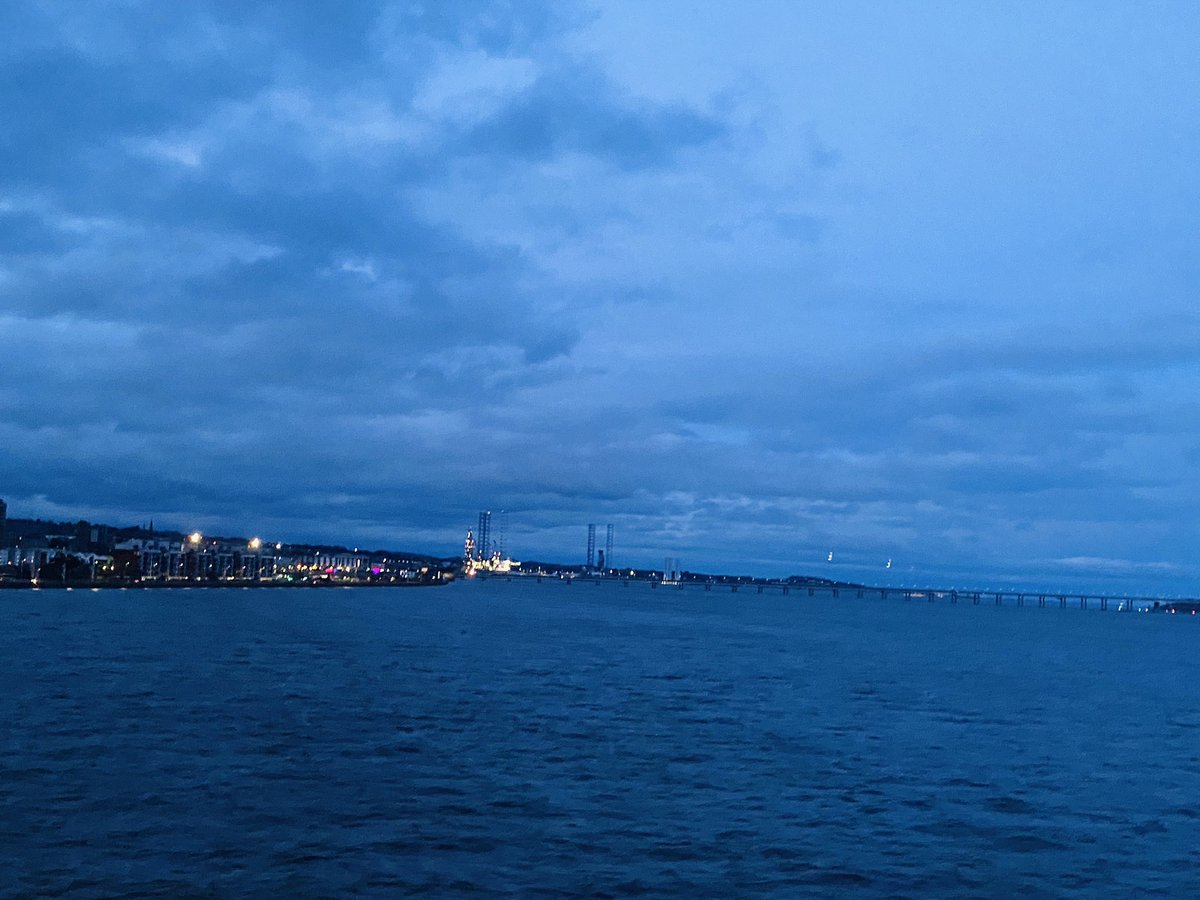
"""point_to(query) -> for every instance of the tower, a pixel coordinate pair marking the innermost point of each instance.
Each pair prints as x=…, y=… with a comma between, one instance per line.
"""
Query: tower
x=469, y=547
x=608, y=538
x=483, y=537
x=591, y=557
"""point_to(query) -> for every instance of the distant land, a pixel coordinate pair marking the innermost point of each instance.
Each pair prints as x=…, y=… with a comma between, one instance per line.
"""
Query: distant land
x=40, y=552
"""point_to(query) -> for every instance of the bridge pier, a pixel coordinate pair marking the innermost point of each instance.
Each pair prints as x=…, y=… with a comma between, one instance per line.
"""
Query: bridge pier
x=785, y=590
x=883, y=595
x=975, y=598
x=954, y=596
x=1104, y=603
x=708, y=585
x=835, y=592
x=1062, y=602
x=1041, y=599
x=998, y=600
x=810, y=592
x=760, y=589
x=733, y=588
x=860, y=595
x=1020, y=599
x=1083, y=602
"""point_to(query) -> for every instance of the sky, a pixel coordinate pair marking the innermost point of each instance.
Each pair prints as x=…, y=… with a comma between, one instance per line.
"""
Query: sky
x=753, y=282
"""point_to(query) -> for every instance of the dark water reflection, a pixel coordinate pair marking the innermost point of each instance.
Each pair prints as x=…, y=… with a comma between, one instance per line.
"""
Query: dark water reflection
x=515, y=738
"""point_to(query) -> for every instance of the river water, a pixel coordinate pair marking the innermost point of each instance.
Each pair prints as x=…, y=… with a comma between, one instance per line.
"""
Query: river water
x=514, y=738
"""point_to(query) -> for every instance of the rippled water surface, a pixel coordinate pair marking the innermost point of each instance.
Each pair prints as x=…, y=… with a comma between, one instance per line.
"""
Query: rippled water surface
x=518, y=738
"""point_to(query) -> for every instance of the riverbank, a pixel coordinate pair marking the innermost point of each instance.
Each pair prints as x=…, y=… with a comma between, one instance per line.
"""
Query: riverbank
x=209, y=585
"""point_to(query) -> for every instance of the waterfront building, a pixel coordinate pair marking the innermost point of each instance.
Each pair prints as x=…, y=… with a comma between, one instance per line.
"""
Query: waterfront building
x=195, y=557
x=27, y=557
x=152, y=557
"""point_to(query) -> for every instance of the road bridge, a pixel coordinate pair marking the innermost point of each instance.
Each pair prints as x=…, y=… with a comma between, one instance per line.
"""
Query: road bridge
x=1062, y=600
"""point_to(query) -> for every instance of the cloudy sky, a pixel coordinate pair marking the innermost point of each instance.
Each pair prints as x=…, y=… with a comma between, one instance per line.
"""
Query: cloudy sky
x=753, y=282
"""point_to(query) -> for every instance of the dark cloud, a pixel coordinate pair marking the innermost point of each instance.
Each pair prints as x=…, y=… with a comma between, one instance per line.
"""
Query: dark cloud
x=354, y=274
x=574, y=111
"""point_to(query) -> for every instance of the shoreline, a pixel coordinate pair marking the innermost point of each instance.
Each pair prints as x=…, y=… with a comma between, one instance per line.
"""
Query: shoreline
x=209, y=585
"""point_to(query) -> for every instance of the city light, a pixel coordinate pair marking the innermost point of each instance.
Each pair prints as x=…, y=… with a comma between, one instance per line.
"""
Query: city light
x=195, y=537
x=255, y=543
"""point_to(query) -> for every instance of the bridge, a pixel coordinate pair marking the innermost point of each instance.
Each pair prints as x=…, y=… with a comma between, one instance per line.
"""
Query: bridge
x=1120, y=602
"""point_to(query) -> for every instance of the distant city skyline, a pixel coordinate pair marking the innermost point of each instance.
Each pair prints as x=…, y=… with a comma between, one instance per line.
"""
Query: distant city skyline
x=33, y=545
x=754, y=284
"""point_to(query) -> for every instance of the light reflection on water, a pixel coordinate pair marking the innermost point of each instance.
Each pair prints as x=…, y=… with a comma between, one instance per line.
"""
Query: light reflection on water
x=515, y=737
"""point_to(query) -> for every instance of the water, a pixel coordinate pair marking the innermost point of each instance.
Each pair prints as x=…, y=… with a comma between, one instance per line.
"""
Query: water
x=515, y=738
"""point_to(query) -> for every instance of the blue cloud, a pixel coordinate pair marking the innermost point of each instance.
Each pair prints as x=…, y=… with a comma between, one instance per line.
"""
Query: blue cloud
x=573, y=111
x=362, y=273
